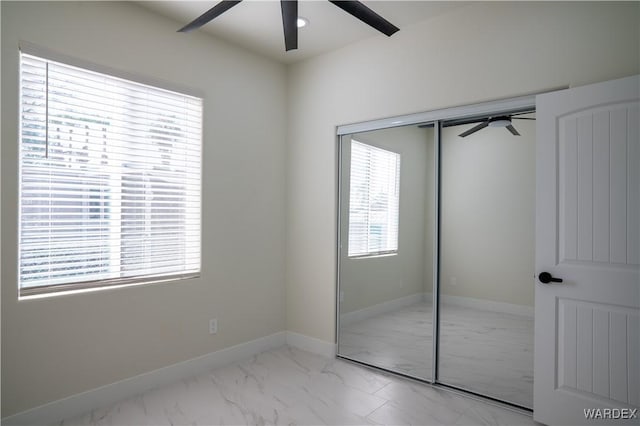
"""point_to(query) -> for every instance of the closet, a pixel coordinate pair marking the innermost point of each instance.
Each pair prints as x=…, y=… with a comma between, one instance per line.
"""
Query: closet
x=436, y=247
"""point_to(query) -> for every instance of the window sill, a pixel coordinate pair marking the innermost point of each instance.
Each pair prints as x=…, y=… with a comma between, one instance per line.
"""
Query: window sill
x=373, y=255
x=42, y=293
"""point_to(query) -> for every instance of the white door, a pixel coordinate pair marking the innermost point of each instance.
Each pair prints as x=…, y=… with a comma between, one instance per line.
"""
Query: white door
x=587, y=230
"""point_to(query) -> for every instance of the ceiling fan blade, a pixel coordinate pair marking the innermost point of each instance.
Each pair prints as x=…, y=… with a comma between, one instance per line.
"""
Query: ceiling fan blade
x=289, y=23
x=522, y=118
x=214, y=12
x=474, y=129
x=513, y=130
x=367, y=16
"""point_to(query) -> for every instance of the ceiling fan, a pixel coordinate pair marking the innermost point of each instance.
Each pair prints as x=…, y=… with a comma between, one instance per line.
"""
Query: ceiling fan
x=497, y=121
x=290, y=16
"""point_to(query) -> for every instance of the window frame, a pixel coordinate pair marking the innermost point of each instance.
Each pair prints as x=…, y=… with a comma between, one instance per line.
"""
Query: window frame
x=369, y=253
x=107, y=283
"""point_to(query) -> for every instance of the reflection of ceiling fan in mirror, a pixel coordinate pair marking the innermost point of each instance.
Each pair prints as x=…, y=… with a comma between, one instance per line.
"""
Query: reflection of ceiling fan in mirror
x=290, y=18
x=498, y=121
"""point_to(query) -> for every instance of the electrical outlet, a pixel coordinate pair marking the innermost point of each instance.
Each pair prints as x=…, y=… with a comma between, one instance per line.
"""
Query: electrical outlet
x=213, y=326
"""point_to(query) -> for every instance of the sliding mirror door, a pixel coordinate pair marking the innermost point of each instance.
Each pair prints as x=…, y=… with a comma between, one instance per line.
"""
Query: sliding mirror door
x=486, y=259
x=386, y=253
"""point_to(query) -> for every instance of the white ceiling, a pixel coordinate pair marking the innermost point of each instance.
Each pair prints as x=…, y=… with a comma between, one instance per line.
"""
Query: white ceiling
x=257, y=24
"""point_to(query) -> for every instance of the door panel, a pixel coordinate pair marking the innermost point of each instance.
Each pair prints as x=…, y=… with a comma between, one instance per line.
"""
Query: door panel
x=596, y=343
x=487, y=225
x=385, y=310
x=587, y=207
x=597, y=203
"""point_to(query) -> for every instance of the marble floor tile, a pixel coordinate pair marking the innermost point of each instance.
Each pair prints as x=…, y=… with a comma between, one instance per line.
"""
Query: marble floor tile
x=287, y=386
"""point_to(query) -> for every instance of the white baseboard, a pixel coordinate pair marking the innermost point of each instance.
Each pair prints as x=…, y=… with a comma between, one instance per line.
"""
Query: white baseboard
x=487, y=305
x=311, y=344
x=56, y=411
x=381, y=308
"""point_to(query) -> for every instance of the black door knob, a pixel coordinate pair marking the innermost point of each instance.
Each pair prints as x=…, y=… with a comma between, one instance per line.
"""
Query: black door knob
x=546, y=278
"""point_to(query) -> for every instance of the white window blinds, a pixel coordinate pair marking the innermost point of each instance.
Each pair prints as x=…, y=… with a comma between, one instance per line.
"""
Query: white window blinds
x=374, y=200
x=110, y=180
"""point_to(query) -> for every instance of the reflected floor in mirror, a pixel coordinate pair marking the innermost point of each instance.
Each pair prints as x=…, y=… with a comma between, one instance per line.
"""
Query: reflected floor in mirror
x=483, y=351
x=399, y=340
x=289, y=386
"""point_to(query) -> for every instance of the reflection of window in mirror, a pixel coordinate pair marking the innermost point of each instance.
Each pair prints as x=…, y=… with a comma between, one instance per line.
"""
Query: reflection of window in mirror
x=374, y=200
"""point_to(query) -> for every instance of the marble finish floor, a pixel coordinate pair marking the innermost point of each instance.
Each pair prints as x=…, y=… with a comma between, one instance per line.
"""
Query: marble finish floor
x=483, y=351
x=293, y=387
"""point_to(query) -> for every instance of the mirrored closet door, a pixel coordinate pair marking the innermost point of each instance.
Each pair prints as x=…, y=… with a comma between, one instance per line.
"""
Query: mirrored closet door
x=487, y=195
x=436, y=248
x=387, y=199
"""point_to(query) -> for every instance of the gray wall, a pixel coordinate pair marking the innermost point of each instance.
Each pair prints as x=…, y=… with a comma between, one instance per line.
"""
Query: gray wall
x=480, y=52
x=59, y=346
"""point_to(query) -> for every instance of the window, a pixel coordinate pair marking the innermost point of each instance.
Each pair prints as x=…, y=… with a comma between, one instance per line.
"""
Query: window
x=374, y=200
x=110, y=180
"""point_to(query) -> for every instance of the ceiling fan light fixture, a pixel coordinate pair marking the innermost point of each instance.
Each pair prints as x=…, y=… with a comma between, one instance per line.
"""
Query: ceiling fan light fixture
x=291, y=21
x=500, y=122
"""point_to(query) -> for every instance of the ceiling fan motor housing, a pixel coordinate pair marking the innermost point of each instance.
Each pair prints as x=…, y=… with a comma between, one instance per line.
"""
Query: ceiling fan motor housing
x=499, y=121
